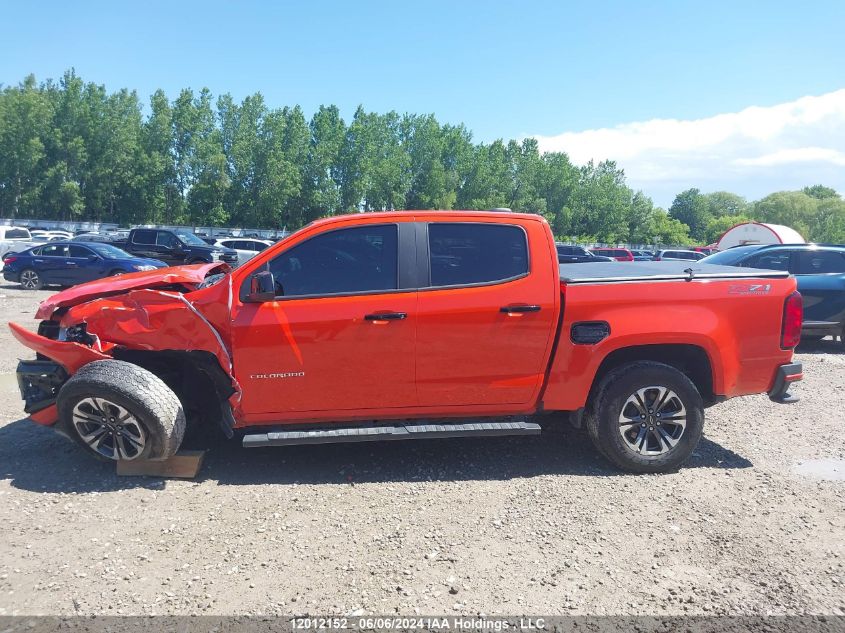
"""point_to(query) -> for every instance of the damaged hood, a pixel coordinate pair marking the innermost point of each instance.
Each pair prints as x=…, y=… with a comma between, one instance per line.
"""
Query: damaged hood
x=191, y=275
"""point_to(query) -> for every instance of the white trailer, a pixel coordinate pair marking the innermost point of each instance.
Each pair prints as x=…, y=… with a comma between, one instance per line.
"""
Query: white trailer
x=758, y=233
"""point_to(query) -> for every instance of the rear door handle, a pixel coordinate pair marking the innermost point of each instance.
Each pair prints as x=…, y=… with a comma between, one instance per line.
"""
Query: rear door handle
x=514, y=309
x=386, y=316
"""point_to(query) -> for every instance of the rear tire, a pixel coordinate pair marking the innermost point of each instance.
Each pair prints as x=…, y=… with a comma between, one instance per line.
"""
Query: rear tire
x=118, y=411
x=646, y=417
x=31, y=280
x=117, y=272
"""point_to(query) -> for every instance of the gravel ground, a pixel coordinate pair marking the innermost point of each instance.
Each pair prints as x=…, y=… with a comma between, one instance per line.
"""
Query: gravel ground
x=754, y=524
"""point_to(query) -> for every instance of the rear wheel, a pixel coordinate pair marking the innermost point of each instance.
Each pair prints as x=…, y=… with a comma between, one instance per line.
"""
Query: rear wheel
x=117, y=272
x=118, y=411
x=646, y=417
x=31, y=280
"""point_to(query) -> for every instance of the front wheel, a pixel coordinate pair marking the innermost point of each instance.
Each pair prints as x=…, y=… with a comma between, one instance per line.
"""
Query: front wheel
x=118, y=411
x=31, y=280
x=646, y=417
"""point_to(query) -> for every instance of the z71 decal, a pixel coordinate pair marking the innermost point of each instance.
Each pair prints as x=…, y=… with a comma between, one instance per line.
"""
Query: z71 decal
x=749, y=289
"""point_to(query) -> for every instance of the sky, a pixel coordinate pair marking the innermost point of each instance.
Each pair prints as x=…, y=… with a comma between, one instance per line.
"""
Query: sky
x=743, y=96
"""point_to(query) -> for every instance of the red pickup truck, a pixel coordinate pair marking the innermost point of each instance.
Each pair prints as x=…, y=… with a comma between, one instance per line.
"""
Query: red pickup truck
x=405, y=325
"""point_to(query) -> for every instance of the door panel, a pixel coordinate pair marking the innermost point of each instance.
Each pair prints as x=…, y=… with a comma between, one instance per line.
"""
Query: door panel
x=470, y=349
x=81, y=267
x=322, y=346
x=323, y=355
x=821, y=282
x=50, y=264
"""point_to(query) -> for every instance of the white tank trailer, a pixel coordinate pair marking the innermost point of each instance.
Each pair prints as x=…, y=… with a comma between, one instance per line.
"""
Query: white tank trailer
x=758, y=233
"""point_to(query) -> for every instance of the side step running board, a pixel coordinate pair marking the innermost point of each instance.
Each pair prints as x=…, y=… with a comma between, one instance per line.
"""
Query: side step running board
x=404, y=431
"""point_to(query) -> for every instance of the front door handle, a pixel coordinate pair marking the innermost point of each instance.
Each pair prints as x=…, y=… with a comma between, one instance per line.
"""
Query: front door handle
x=517, y=309
x=385, y=316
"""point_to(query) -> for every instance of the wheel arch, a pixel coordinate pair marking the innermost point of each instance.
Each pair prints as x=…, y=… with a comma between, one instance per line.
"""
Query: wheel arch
x=691, y=360
x=193, y=376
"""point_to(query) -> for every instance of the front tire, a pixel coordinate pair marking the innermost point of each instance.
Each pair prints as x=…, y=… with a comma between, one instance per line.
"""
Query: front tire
x=121, y=412
x=31, y=280
x=646, y=417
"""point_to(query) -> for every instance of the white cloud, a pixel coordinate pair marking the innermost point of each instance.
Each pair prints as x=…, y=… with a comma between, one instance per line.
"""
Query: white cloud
x=752, y=152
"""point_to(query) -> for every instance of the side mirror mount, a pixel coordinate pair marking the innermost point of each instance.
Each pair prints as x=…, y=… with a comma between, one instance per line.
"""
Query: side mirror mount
x=262, y=287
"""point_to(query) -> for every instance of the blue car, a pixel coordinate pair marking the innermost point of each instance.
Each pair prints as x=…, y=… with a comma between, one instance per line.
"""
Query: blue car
x=820, y=271
x=71, y=263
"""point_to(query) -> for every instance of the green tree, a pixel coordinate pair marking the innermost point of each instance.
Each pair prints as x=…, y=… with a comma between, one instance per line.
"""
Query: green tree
x=693, y=209
x=601, y=203
x=666, y=230
x=795, y=209
x=820, y=192
x=322, y=175
x=726, y=203
x=25, y=114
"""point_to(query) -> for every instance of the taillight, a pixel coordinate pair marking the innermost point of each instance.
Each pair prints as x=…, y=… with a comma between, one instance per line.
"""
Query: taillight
x=793, y=318
x=9, y=259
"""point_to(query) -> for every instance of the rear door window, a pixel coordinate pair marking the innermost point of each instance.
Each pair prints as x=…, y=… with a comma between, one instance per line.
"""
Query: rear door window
x=54, y=250
x=144, y=237
x=820, y=262
x=464, y=254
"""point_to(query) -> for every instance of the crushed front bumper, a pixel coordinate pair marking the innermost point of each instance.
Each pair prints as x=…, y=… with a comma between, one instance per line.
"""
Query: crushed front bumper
x=785, y=376
x=39, y=382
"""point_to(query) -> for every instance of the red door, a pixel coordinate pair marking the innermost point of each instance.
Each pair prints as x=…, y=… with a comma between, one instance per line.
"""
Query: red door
x=485, y=327
x=340, y=335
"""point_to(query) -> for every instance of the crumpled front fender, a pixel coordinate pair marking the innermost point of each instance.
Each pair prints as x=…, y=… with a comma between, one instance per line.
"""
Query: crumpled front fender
x=150, y=320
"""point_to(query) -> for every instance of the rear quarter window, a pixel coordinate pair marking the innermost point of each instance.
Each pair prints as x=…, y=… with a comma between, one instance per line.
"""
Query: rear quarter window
x=466, y=254
x=820, y=262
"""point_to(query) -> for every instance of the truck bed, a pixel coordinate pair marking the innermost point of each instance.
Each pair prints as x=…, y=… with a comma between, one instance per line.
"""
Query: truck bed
x=612, y=272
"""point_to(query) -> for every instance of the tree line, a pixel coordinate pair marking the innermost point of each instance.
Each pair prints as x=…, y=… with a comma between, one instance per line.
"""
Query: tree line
x=71, y=150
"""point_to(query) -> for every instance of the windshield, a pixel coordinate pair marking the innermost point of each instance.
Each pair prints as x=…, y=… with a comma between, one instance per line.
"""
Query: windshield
x=107, y=250
x=190, y=238
x=729, y=257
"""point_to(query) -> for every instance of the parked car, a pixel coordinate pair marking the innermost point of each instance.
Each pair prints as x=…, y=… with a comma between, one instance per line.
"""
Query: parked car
x=690, y=256
x=175, y=247
x=436, y=324
x=70, y=263
x=246, y=248
x=619, y=254
x=94, y=237
x=642, y=256
x=43, y=239
x=14, y=239
x=820, y=271
x=567, y=254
